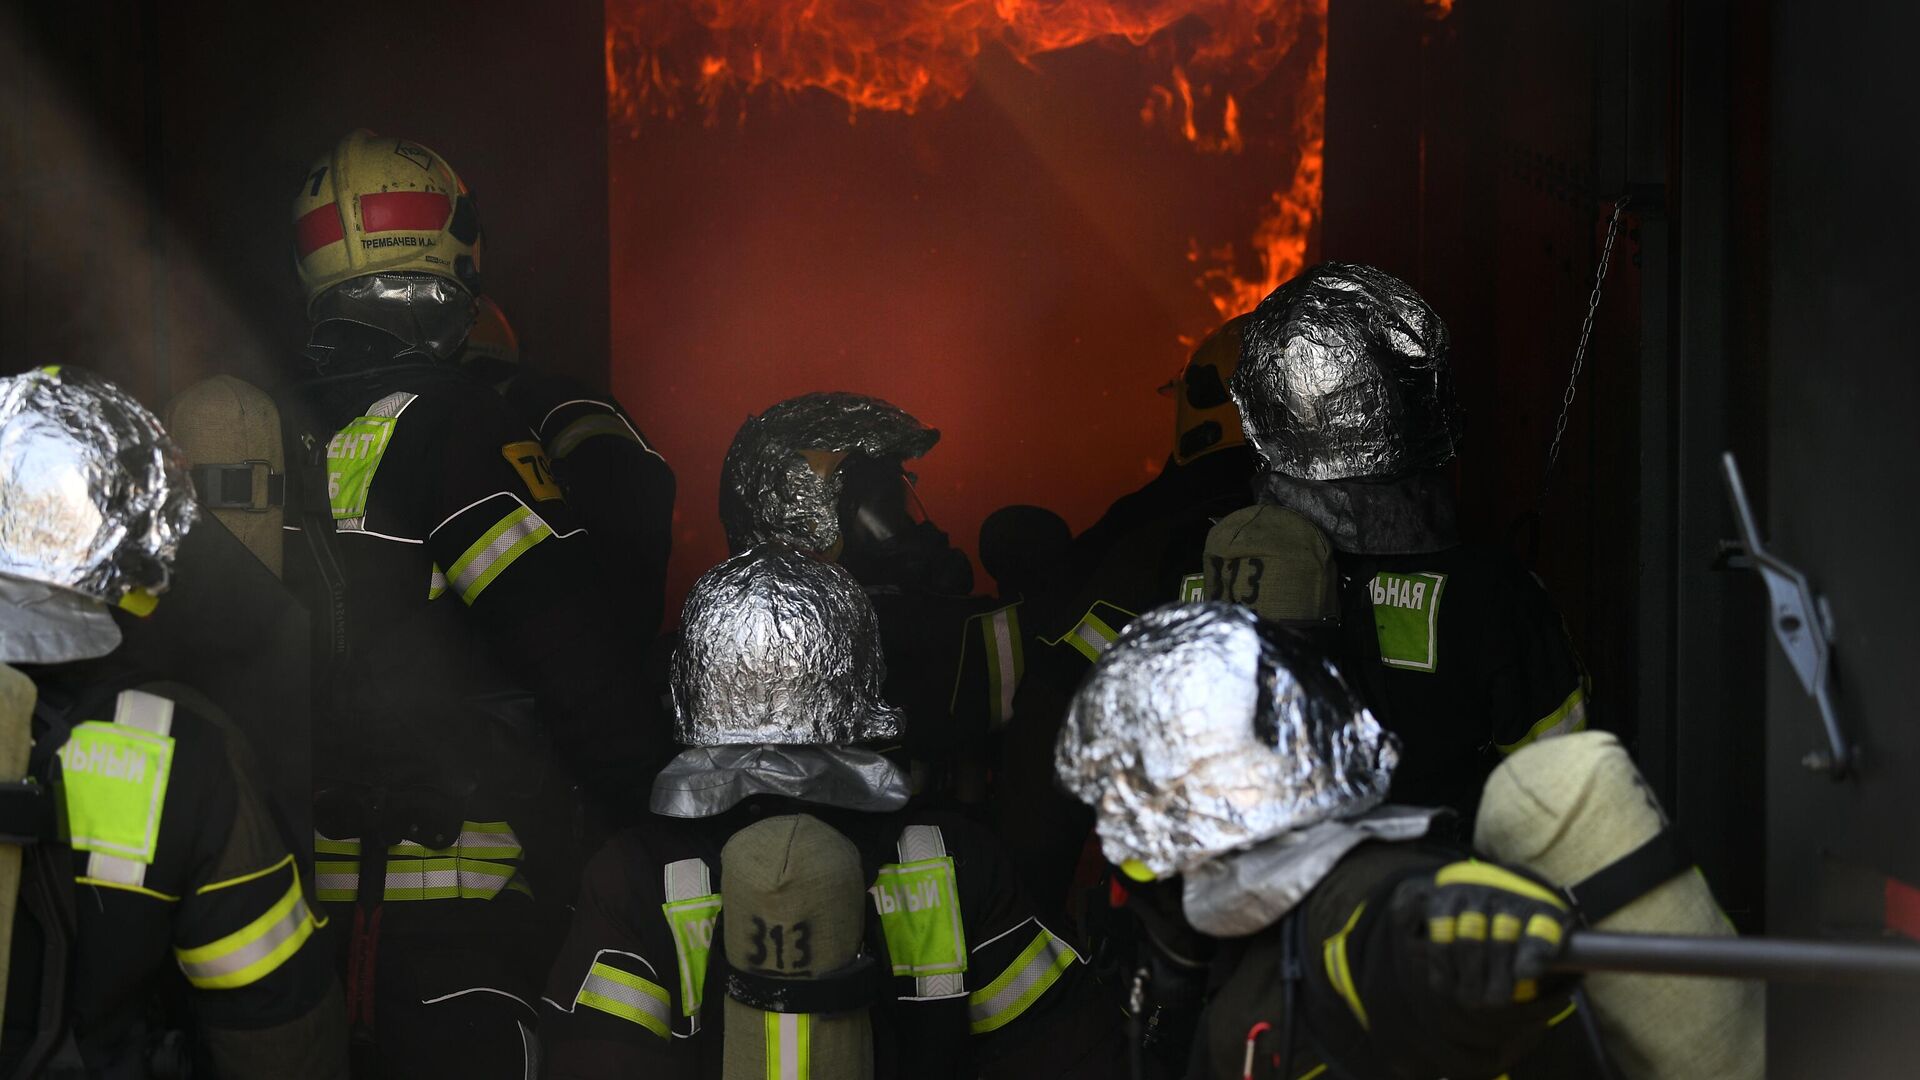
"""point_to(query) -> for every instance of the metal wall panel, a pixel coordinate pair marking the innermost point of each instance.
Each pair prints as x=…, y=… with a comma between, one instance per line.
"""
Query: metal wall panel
x=1480, y=156
x=1841, y=477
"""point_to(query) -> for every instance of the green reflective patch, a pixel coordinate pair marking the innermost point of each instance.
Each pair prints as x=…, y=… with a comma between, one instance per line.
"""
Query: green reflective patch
x=352, y=457
x=1193, y=588
x=920, y=916
x=1406, y=612
x=116, y=781
x=692, y=922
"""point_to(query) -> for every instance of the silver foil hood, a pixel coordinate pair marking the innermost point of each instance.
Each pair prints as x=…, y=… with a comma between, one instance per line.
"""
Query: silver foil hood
x=1344, y=373
x=779, y=648
x=1203, y=730
x=771, y=490
x=94, y=497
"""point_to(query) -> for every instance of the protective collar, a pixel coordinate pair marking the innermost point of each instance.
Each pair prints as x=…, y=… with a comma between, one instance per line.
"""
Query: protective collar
x=1409, y=516
x=704, y=781
x=40, y=624
x=1247, y=891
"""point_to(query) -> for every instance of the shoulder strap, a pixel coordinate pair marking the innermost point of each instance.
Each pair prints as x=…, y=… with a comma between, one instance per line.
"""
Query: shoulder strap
x=1661, y=859
x=307, y=502
x=921, y=842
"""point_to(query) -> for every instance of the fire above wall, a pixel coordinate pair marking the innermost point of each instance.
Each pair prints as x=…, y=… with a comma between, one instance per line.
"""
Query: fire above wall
x=715, y=58
x=1012, y=218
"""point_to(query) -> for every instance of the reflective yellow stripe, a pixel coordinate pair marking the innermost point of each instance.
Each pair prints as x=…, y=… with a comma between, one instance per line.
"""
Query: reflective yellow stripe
x=488, y=557
x=1006, y=661
x=1092, y=634
x=1472, y=872
x=1572, y=1007
x=325, y=846
x=102, y=883
x=477, y=840
x=1470, y=926
x=789, y=1046
x=587, y=427
x=1506, y=927
x=254, y=951
x=1339, y=974
x=418, y=879
x=1014, y=991
x=436, y=582
x=475, y=867
x=625, y=995
x=1570, y=717
x=242, y=879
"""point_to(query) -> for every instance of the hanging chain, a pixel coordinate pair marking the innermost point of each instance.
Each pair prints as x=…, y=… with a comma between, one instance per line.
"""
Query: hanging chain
x=1580, y=351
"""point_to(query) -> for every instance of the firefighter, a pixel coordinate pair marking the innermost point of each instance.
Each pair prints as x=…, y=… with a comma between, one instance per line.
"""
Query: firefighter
x=676, y=962
x=166, y=861
x=826, y=474
x=1145, y=551
x=615, y=480
x=1346, y=393
x=474, y=666
x=1237, y=783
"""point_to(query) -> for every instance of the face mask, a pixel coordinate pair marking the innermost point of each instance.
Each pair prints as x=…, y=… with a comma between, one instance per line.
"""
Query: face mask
x=890, y=542
x=387, y=318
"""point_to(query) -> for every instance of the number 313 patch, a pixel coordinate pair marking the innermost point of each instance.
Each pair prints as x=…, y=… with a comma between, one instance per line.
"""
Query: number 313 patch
x=531, y=462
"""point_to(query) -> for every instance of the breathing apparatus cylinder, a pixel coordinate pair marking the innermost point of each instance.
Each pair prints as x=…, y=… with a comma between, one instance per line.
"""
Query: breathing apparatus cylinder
x=230, y=431
x=795, y=907
x=1576, y=811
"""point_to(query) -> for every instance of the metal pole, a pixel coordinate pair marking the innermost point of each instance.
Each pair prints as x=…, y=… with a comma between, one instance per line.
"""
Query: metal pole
x=1772, y=959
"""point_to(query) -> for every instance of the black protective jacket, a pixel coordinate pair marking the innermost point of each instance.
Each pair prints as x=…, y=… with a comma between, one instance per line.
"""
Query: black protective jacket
x=452, y=581
x=616, y=481
x=193, y=906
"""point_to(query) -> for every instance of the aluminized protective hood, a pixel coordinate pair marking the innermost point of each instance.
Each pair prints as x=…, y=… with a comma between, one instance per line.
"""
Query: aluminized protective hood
x=1203, y=730
x=94, y=498
x=779, y=648
x=1343, y=374
x=780, y=480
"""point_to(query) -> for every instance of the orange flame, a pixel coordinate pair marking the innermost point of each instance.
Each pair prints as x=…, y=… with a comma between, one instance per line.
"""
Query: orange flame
x=908, y=55
x=665, y=59
x=1279, y=245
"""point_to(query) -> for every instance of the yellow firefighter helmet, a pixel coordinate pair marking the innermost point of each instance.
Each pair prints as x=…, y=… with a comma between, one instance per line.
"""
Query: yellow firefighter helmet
x=1205, y=419
x=375, y=204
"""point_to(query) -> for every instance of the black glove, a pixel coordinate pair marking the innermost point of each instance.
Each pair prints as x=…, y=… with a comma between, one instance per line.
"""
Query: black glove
x=1489, y=932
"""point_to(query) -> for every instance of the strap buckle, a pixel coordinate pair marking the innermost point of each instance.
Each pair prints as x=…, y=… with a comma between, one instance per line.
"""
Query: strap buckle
x=233, y=486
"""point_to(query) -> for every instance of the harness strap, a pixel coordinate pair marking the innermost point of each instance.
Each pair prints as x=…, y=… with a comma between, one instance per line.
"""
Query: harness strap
x=858, y=985
x=363, y=953
x=916, y=843
x=1661, y=859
